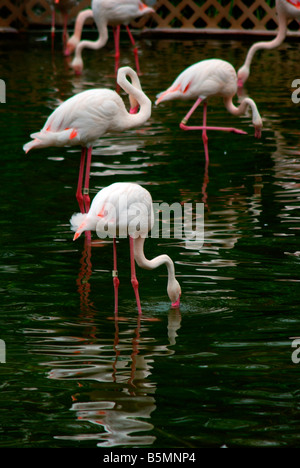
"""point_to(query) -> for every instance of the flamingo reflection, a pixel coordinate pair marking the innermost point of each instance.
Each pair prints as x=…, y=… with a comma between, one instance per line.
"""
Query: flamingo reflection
x=120, y=398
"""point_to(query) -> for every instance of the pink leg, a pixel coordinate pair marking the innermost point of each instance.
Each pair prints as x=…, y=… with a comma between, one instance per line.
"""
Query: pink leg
x=65, y=31
x=86, y=196
x=80, y=179
x=84, y=199
x=183, y=123
x=134, y=280
x=117, y=46
x=135, y=50
x=204, y=134
x=188, y=115
x=222, y=129
x=53, y=28
x=115, y=276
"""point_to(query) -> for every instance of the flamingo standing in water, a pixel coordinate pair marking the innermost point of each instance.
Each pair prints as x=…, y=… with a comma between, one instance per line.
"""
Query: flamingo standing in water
x=89, y=115
x=126, y=209
x=286, y=10
x=64, y=7
x=104, y=13
x=212, y=77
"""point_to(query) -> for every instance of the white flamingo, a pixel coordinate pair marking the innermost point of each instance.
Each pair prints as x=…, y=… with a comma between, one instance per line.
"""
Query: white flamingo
x=64, y=6
x=126, y=209
x=106, y=12
x=87, y=116
x=212, y=77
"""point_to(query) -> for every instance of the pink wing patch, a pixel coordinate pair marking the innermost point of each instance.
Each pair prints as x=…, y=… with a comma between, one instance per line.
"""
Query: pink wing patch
x=101, y=214
x=295, y=3
x=186, y=88
x=73, y=134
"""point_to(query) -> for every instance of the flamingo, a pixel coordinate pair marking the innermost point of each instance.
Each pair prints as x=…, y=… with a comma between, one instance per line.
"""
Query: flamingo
x=89, y=115
x=286, y=10
x=64, y=6
x=202, y=80
x=104, y=13
x=126, y=209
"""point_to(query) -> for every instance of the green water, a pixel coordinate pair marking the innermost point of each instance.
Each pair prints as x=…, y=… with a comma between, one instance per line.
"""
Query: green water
x=219, y=371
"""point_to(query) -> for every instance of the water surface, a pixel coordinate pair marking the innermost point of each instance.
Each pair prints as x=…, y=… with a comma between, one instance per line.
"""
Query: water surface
x=217, y=372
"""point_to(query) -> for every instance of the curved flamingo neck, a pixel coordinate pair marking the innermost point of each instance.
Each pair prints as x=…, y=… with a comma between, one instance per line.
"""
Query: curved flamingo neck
x=75, y=38
x=77, y=63
x=80, y=20
x=244, y=71
x=256, y=118
x=173, y=285
x=136, y=96
x=281, y=34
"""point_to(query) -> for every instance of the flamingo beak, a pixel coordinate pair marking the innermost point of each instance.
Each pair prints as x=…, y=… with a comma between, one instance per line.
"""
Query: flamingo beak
x=79, y=230
x=76, y=235
x=176, y=304
x=134, y=110
x=257, y=133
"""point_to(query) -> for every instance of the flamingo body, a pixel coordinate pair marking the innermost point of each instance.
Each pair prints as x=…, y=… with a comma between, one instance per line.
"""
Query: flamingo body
x=211, y=77
x=286, y=10
x=114, y=12
x=123, y=205
x=116, y=206
x=82, y=119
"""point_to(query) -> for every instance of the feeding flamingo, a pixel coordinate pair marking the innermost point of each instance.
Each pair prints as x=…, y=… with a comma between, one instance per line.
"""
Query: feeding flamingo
x=126, y=209
x=211, y=77
x=106, y=12
x=87, y=116
x=286, y=10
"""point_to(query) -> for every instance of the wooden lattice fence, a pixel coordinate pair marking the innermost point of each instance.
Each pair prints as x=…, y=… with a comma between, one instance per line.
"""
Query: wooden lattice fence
x=231, y=16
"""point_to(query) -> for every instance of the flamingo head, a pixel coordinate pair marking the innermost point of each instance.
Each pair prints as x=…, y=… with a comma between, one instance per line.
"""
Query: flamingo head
x=77, y=65
x=258, y=124
x=242, y=75
x=71, y=45
x=80, y=223
x=145, y=9
x=174, y=293
x=257, y=132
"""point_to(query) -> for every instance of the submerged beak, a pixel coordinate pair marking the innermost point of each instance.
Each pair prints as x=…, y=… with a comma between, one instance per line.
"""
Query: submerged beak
x=257, y=133
x=176, y=304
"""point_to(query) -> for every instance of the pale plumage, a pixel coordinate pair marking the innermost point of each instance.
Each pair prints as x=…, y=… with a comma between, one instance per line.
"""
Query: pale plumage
x=126, y=210
x=202, y=80
x=82, y=119
x=286, y=10
x=87, y=116
x=106, y=12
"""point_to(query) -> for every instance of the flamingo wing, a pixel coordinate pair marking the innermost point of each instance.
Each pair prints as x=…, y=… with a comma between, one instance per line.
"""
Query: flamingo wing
x=80, y=120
